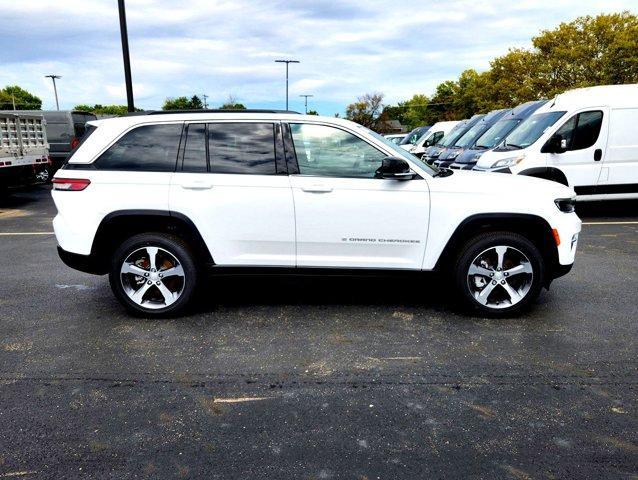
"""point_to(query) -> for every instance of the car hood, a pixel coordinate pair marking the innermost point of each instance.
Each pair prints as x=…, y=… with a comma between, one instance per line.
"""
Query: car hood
x=450, y=153
x=509, y=187
x=433, y=151
x=470, y=156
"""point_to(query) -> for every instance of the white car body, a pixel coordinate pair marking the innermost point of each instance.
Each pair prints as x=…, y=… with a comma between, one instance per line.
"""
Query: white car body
x=606, y=169
x=295, y=220
x=436, y=133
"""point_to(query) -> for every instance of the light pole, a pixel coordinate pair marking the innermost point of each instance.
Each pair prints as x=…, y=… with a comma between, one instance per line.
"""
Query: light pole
x=205, y=97
x=306, y=101
x=125, y=55
x=287, y=62
x=55, y=89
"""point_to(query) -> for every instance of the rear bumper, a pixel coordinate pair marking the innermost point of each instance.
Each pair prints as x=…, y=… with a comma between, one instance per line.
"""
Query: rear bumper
x=83, y=263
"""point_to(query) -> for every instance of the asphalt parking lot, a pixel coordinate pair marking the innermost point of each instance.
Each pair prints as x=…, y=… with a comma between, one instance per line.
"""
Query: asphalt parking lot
x=317, y=378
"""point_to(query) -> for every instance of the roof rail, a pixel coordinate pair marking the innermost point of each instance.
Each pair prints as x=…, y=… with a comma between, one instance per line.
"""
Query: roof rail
x=251, y=110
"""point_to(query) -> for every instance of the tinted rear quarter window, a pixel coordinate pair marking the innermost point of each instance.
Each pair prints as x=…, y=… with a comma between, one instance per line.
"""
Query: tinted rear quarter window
x=195, y=149
x=150, y=148
x=244, y=148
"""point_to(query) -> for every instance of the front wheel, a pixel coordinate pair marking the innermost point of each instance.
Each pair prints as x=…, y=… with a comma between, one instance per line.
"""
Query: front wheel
x=153, y=274
x=499, y=273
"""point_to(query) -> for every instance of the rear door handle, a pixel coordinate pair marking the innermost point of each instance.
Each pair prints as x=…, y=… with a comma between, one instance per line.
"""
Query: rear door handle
x=317, y=189
x=197, y=185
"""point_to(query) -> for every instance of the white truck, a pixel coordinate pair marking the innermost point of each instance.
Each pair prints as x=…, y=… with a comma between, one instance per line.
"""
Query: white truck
x=24, y=150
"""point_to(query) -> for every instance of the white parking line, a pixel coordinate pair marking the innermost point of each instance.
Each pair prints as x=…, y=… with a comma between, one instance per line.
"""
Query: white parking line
x=610, y=223
x=7, y=234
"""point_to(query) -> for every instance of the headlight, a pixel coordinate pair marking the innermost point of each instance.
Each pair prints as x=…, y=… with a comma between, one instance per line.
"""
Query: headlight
x=567, y=205
x=452, y=155
x=508, y=162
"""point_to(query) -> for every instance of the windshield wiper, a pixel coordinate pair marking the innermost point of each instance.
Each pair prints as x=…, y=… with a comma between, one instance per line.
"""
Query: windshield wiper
x=513, y=145
x=481, y=147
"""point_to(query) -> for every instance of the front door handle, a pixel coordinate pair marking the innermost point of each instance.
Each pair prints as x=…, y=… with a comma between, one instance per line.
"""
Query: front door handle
x=317, y=189
x=197, y=185
x=598, y=154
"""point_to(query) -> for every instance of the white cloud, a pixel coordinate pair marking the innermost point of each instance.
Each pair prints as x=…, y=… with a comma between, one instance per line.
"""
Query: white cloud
x=216, y=47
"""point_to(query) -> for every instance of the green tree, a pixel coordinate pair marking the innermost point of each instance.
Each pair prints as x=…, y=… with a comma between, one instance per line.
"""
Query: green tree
x=115, y=110
x=313, y=112
x=233, y=106
x=367, y=111
x=588, y=51
x=412, y=113
x=183, y=103
x=23, y=99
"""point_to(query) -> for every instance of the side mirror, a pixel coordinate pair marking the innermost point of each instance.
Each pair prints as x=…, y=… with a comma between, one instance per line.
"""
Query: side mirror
x=394, y=167
x=555, y=144
x=427, y=143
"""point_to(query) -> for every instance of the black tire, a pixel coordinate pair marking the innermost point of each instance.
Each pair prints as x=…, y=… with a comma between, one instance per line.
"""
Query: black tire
x=478, y=246
x=176, y=247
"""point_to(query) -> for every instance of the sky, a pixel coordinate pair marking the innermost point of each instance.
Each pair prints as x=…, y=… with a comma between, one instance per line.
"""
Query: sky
x=227, y=48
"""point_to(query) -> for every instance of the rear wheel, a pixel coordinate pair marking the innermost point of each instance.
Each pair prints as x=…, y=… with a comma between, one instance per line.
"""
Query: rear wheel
x=153, y=274
x=499, y=273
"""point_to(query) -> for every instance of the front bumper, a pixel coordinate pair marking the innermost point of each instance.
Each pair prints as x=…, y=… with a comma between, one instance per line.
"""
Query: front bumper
x=463, y=166
x=443, y=163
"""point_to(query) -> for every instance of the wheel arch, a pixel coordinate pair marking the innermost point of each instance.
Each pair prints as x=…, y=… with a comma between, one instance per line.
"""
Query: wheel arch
x=548, y=173
x=533, y=227
x=119, y=225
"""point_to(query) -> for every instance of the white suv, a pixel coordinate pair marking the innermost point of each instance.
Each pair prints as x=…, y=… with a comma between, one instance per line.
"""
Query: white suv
x=154, y=200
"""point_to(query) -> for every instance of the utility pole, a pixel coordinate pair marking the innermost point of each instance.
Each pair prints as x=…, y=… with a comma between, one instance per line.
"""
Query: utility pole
x=306, y=101
x=55, y=90
x=287, y=62
x=13, y=100
x=125, y=55
x=204, y=96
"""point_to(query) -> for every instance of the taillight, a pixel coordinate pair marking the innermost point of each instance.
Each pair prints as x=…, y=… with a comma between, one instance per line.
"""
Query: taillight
x=71, y=184
x=74, y=143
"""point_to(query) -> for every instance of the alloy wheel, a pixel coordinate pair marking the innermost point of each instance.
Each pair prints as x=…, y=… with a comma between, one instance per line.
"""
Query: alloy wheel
x=500, y=277
x=152, y=277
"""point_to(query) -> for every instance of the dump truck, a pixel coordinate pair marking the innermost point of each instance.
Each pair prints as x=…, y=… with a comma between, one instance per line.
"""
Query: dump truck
x=24, y=150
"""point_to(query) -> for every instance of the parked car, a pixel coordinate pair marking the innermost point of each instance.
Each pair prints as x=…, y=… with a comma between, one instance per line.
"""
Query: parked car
x=155, y=200
x=495, y=135
x=395, y=137
x=411, y=138
x=24, y=151
x=432, y=154
x=65, y=129
x=468, y=139
x=586, y=138
x=433, y=136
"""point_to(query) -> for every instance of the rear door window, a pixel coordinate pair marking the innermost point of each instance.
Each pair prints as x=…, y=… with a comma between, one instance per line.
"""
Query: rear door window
x=242, y=148
x=149, y=148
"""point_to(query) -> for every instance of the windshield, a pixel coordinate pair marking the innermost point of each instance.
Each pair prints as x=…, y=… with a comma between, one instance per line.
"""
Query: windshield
x=496, y=133
x=402, y=153
x=471, y=135
x=413, y=136
x=451, y=138
x=532, y=129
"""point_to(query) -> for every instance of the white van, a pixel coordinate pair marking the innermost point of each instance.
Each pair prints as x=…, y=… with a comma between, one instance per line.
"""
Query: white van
x=586, y=138
x=432, y=137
